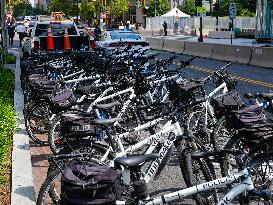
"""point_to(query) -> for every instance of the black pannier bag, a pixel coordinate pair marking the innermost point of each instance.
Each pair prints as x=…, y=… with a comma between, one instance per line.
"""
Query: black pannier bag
x=246, y=118
x=258, y=130
x=63, y=100
x=43, y=85
x=77, y=124
x=226, y=102
x=88, y=183
x=184, y=91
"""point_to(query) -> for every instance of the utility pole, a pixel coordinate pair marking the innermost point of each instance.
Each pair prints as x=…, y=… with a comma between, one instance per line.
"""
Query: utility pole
x=4, y=29
x=155, y=7
x=217, y=13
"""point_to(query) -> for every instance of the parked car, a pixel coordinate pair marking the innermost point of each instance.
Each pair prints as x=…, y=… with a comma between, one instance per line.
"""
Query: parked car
x=111, y=39
x=36, y=40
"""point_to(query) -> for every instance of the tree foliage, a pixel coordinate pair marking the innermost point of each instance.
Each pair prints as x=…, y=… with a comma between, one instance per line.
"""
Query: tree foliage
x=24, y=8
x=244, y=7
x=188, y=7
x=162, y=7
x=119, y=7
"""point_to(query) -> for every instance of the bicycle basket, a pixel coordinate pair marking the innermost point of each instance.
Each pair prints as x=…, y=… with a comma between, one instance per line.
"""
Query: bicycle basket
x=89, y=183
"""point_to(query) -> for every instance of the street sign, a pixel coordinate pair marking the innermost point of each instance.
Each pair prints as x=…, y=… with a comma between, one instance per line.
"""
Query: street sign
x=138, y=4
x=202, y=14
x=232, y=11
x=103, y=15
x=202, y=11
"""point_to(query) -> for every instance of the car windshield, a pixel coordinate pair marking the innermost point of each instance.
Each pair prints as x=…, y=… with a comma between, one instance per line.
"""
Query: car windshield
x=124, y=35
x=57, y=29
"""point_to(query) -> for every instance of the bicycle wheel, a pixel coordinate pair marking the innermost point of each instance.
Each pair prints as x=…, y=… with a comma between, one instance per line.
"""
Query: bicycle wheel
x=196, y=171
x=262, y=173
x=37, y=122
x=50, y=191
x=224, y=138
x=201, y=124
x=54, y=135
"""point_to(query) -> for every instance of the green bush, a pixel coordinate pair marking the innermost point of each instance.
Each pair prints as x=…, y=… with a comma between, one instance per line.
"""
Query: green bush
x=11, y=59
x=7, y=120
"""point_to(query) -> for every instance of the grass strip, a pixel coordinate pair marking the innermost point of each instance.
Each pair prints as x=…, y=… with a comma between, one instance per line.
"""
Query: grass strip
x=7, y=125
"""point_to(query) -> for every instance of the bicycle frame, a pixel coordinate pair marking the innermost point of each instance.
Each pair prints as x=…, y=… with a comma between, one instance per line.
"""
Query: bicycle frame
x=173, y=129
x=245, y=185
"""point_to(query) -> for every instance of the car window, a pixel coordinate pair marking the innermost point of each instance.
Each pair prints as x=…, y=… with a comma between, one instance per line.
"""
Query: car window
x=57, y=29
x=124, y=35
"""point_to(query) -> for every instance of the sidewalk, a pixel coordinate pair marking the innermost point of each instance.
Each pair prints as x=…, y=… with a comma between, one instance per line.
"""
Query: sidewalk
x=237, y=41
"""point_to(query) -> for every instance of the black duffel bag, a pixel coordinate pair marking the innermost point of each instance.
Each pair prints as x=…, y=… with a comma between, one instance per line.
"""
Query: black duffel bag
x=227, y=101
x=77, y=124
x=88, y=183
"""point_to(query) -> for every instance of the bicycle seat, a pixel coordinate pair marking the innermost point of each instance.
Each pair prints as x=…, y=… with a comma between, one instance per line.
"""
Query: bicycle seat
x=135, y=160
x=249, y=96
x=267, y=96
x=106, y=122
x=106, y=106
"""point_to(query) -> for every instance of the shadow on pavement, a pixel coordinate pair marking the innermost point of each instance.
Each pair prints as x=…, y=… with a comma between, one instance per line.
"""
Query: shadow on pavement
x=27, y=192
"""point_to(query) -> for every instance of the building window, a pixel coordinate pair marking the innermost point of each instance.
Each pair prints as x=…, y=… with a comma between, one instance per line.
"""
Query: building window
x=132, y=14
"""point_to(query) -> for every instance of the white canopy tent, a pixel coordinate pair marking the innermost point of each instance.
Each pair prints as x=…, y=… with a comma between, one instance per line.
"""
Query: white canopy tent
x=176, y=12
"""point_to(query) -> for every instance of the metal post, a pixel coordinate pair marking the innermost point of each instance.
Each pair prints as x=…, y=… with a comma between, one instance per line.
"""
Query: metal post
x=155, y=7
x=4, y=29
x=200, y=39
x=217, y=14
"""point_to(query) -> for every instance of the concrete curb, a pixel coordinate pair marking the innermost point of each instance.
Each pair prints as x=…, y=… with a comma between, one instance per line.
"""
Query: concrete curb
x=22, y=181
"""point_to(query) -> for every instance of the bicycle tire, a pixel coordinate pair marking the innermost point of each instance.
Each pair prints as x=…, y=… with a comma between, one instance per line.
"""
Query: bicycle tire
x=186, y=165
x=223, y=139
x=33, y=131
x=260, y=180
x=52, y=135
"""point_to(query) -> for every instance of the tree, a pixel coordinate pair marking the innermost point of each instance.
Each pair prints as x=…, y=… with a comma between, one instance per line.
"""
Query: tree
x=188, y=7
x=162, y=7
x=65, y=6
x=119, y=7
x=243, y=7
x=87, y=9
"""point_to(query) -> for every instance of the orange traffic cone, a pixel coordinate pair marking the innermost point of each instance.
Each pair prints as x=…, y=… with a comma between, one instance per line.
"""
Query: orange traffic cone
x=49, y=40
x=67, y=45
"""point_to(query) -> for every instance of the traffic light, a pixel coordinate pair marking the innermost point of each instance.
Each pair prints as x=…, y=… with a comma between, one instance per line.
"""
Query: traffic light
x=216, y=6
x=144, y=10
x=198, y=3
